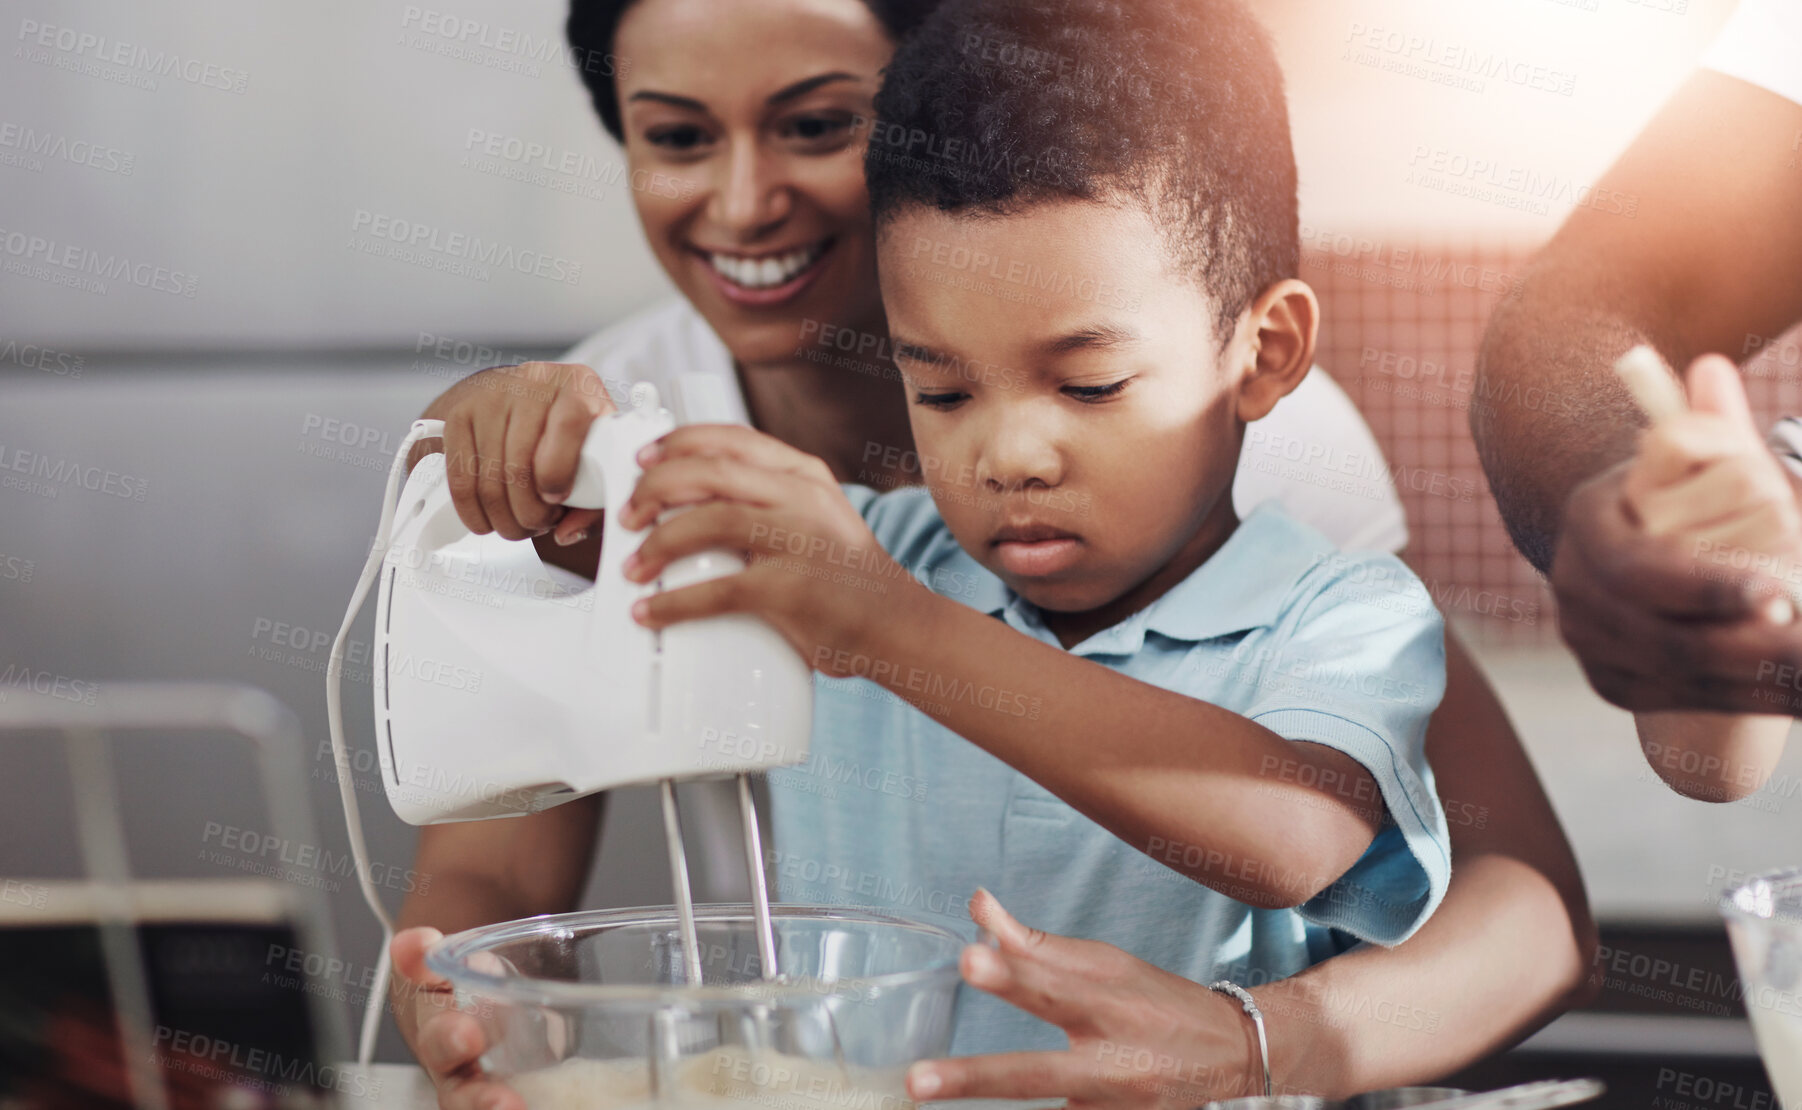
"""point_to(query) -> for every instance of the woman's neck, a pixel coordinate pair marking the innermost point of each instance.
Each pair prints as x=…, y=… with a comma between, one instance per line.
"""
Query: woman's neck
x=850, y=411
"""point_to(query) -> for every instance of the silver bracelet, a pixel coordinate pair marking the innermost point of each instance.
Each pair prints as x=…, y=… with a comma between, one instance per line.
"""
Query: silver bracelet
x=1256, y=1015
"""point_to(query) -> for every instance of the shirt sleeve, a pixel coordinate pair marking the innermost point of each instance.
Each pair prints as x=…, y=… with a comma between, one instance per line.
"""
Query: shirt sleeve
x=1316, y=457
x=1762, y=44
x=1359, y=665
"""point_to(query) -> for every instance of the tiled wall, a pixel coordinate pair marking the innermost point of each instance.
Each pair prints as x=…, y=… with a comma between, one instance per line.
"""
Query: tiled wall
x=1401, y=325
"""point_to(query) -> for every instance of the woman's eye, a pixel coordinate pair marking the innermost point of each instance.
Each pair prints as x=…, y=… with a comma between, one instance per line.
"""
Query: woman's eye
x=816, y=129
x=938, y=400
x=682, y=137
x=1096, y=392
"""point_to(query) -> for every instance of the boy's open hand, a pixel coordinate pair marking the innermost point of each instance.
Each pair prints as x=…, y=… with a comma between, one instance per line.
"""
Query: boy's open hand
x=1139, y=1036
x=814, y=571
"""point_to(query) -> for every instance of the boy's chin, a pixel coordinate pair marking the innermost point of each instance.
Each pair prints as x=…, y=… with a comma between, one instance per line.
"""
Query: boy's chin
x=1061, y=596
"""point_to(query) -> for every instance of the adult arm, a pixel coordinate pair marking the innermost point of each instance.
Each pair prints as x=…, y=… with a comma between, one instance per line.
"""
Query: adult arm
x=1693, y=243
x=1508, y=949
x=477, y=873
x=1703, y=254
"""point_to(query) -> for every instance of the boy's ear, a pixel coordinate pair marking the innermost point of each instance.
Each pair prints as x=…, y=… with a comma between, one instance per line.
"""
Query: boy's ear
x=1280, y=327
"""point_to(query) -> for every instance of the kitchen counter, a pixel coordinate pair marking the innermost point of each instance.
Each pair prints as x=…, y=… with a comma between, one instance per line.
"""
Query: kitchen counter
x=405, y=1087
x=1647, y=854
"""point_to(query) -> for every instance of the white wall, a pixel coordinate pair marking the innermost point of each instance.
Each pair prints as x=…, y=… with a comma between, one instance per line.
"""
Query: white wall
x=255, y=193
x=1371, y=104
x=348, y=107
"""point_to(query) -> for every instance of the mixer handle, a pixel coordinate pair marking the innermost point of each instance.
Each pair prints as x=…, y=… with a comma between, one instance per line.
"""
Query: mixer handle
x=427, y=429
x=616, y=437
x=334, y=714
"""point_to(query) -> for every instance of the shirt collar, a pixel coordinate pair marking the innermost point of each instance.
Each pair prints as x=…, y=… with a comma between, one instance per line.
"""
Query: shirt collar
x=1242, y=586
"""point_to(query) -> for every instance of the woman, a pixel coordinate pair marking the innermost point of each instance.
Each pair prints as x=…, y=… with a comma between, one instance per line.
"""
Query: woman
x=755, y=118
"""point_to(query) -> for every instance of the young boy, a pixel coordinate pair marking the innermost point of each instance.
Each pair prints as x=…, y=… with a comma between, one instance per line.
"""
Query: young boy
x=1087, y=243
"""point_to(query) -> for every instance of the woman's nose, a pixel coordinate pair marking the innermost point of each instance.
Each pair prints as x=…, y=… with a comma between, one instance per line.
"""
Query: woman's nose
x=752, y=194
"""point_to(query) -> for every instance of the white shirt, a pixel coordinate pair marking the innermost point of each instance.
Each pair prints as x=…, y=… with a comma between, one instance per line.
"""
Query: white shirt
x=1762, y=44
x=1313, y=453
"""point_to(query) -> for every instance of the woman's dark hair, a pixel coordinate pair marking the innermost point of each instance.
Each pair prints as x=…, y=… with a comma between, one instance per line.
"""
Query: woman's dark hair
x=593, y=23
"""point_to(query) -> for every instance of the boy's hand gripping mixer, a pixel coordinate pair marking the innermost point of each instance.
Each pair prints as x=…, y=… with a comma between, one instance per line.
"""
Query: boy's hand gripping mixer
x=501, y=691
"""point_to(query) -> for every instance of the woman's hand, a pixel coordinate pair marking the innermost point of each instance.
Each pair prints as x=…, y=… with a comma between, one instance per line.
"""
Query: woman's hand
x=448, y=1041
x=1706, y=478
x=813, y=570
x=512, y=438
x=1673, y=569
x=1139, y=1036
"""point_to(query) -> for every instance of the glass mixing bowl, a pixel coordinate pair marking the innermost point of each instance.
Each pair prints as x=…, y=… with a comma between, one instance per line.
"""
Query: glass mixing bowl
x=592, y=1009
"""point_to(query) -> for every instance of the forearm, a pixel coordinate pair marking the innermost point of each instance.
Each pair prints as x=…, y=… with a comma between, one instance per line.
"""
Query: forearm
x=1197, y=787
x=480, y=872
x=1708, y=259
x=1509, y=948
x=1712, y=757
x=1466, y=986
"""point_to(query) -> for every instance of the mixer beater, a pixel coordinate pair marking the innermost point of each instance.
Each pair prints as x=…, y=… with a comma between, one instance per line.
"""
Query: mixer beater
x=763, y=1028
x=760, y=891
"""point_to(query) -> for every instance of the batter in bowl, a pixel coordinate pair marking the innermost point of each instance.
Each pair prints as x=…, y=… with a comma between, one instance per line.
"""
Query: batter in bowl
x=726, y=1078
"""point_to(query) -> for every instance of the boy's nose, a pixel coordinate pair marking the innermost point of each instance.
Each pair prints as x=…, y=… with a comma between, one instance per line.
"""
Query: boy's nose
x=1017, y=454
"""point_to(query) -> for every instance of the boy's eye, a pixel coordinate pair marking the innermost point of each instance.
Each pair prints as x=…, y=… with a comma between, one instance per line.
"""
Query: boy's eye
x=1092, y=393
x=679, y=138
x=938, y=400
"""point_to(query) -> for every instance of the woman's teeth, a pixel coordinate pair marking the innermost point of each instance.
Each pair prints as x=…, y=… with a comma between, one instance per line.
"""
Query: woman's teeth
x=765, y=273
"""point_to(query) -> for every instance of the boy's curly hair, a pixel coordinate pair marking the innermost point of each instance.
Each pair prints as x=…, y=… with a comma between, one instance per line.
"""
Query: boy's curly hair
x=995, y=105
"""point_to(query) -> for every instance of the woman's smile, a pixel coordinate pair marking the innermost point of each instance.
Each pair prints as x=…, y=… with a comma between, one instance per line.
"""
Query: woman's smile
x=767, y=278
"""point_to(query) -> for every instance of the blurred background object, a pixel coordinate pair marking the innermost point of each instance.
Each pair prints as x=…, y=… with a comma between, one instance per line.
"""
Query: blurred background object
x=161, y=994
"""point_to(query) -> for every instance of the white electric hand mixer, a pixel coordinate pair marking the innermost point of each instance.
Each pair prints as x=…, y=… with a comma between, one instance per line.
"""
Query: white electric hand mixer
x=501, y=691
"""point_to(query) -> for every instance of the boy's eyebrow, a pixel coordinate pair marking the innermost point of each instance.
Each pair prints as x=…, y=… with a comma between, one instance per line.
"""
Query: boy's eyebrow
x=921, y=353
x=789, y=92
x=1092, y=338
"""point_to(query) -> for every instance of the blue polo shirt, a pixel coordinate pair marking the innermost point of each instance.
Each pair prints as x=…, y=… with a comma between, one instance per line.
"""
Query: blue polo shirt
x=893, y=811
